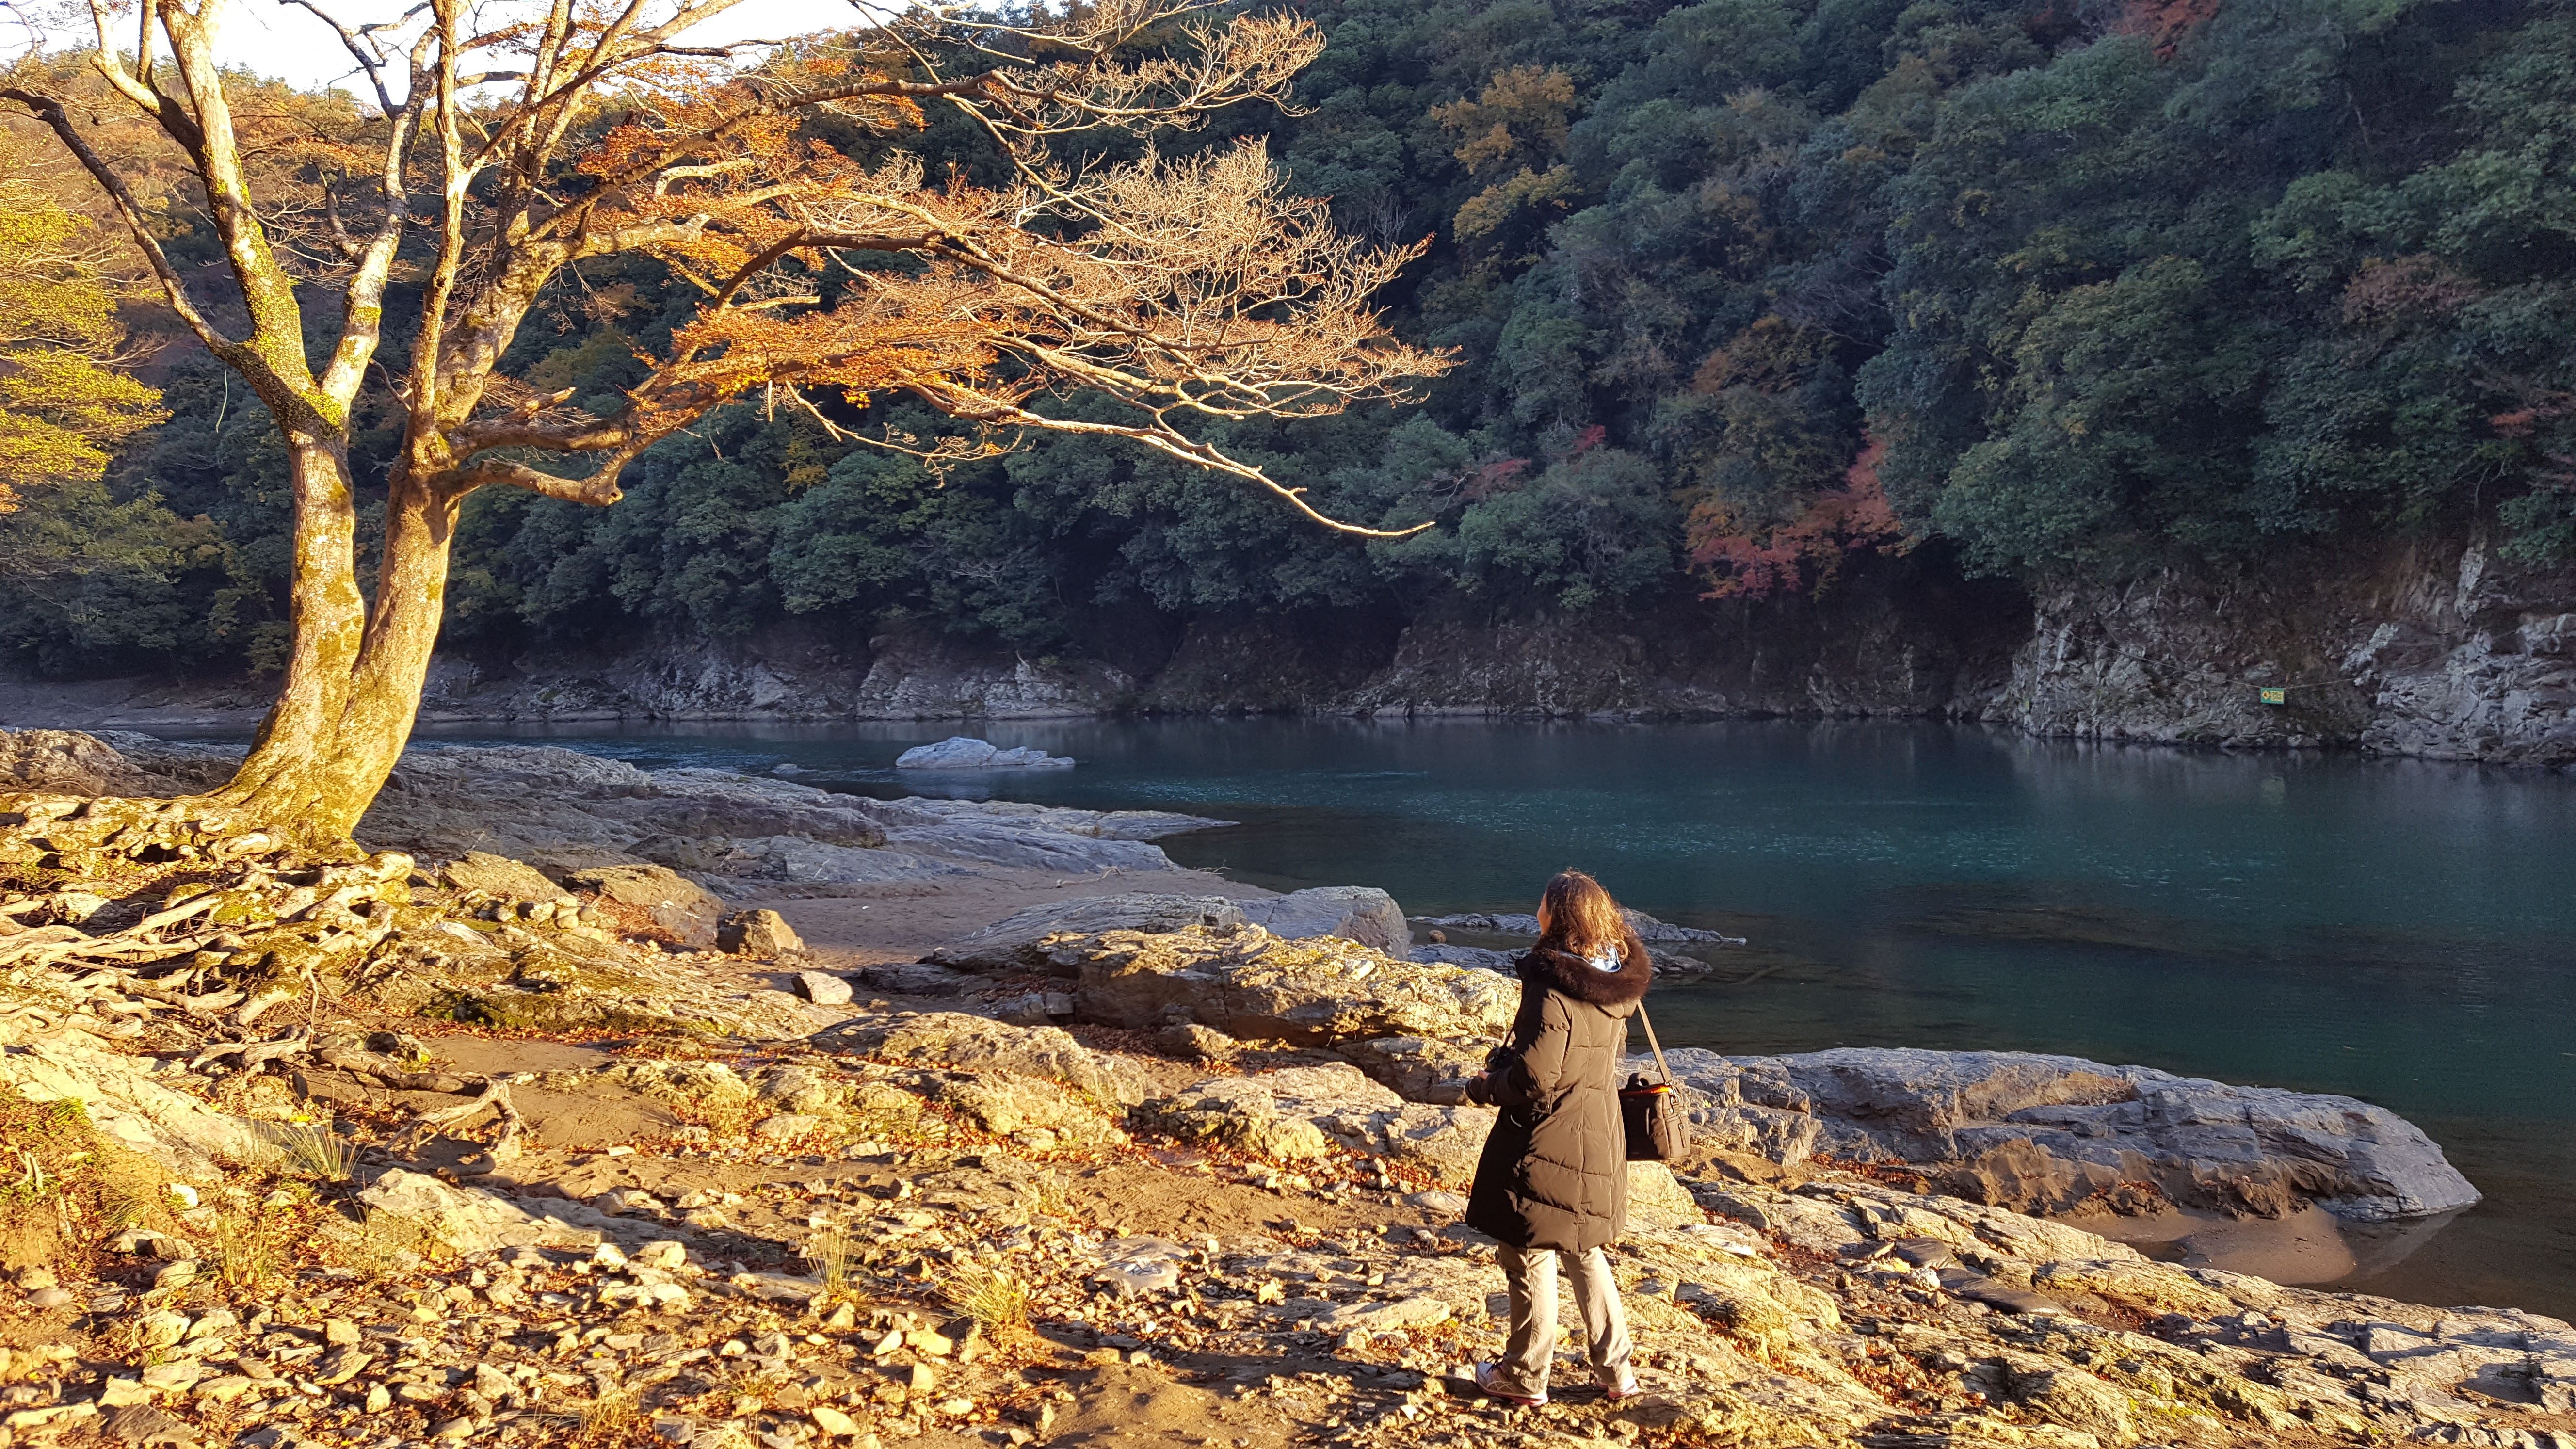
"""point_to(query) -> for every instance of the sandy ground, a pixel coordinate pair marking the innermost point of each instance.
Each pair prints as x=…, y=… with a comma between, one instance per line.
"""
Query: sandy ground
x=2307, y=1247
x=901, y=921
x=573, y=1130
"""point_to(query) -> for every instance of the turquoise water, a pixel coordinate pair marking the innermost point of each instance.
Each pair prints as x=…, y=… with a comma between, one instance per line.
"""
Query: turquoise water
x=2399, y=931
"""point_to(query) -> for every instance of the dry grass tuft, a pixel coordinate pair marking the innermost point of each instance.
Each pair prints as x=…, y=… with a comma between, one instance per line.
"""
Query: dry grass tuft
x=314, y=1152
x=991, y=1297
x=1049, y=1196
x=835, y=1256
x=614, y=1418
x=249, y=1248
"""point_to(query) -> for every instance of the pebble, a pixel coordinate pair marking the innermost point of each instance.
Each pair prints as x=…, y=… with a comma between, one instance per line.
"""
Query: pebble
x=823, y=988
x=833, y=1422
x=49, y=1298
x=36, y=1276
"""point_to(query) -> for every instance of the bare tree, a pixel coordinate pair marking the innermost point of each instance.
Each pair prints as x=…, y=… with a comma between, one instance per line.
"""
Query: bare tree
x=504, y=153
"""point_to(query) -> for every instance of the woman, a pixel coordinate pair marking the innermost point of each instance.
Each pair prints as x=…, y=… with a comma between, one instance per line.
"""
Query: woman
x=1553, y=1181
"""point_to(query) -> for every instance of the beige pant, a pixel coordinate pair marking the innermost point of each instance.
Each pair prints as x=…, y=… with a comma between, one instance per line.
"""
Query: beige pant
x=1530, y=1274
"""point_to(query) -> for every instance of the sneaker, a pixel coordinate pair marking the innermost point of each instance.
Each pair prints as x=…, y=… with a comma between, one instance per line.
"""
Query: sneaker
x=1617, y=1386
x=1489, y=1382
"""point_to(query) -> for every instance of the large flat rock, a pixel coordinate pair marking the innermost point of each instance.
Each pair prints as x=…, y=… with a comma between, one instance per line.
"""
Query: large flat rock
x=1253, y=986
x=1302, y=1112
x=2043, y=1133
x=1355, y=913
x=1020, y=938
x=1361, y=914
x=562, y=811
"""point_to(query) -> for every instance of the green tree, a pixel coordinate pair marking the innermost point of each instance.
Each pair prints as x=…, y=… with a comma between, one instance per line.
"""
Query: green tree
x=65, y=403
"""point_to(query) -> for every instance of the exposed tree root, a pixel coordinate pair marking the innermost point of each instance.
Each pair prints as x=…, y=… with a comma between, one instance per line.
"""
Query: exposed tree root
x=122, y=916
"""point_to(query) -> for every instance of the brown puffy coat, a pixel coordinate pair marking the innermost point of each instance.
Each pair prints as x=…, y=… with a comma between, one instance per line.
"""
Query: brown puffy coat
x=1554, y=1173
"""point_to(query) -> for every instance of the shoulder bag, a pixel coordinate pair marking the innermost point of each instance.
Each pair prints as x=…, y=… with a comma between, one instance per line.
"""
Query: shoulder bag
x=1657, y=1131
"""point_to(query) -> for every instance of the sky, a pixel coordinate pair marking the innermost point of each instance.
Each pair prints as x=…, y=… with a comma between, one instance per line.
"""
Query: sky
x=285, y=42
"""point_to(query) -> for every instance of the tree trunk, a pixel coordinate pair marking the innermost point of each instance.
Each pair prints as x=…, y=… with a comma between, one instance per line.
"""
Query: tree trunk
x=354, y=679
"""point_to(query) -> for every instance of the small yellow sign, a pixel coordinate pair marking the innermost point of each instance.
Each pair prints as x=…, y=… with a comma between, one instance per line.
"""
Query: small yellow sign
x=2276, y=694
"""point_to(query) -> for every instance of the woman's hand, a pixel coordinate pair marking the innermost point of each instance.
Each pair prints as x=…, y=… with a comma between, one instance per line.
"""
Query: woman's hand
x=1480, y=1090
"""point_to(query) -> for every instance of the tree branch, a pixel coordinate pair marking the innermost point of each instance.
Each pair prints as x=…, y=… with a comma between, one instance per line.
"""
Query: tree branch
x=598, y=490
x=817, y=241
x=969, y=406
x=174, y=121
x=267, y=292
x=370, y=60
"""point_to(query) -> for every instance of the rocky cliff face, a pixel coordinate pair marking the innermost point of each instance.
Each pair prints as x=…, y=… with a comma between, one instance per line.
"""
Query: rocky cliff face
x=1899, y=639
x=2437, y=650
x=795, y=672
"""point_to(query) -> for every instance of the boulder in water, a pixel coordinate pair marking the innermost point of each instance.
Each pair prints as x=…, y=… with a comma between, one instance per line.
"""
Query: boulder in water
x=1361, y=914
x=965, y=752
x=1480, y=957
x=1648, y=928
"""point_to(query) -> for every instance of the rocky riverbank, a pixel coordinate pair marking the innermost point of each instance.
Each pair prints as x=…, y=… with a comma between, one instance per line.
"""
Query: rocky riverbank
x=2433, y=647
x=518, y=1160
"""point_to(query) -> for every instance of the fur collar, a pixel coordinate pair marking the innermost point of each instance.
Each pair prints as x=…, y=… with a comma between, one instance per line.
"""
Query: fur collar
x=1613, y=991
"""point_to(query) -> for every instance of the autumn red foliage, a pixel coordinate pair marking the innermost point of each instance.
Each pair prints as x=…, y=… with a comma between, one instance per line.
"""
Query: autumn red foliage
x=1806, y=554
x=2165, y=22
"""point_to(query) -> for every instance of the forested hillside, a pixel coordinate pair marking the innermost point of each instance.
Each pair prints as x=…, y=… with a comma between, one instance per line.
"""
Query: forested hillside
x=1737, y=290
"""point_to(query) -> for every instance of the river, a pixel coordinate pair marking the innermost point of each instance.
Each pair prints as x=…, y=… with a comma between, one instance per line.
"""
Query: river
x=2400, y=931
